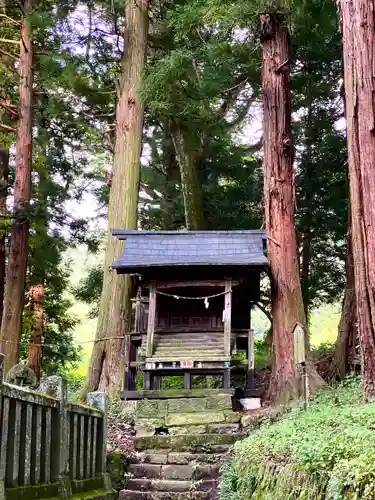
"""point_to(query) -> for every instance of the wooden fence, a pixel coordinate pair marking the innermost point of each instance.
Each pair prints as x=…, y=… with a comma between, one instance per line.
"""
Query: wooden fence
x=49, y=446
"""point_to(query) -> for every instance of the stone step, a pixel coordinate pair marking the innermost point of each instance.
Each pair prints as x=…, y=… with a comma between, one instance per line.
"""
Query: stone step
x=187, y=472
x=200, y=443
x=170, y=485
x=176, y=458
x=164, y=495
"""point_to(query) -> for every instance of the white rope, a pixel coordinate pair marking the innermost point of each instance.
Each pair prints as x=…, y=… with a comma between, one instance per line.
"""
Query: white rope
x=205, y=297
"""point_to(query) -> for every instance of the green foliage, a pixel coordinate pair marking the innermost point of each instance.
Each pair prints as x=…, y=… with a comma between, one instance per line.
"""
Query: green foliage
x=326, y=451
x=89, y=288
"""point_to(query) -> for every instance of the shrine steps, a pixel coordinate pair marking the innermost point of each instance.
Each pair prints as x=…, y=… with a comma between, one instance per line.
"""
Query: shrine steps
x=180, y=467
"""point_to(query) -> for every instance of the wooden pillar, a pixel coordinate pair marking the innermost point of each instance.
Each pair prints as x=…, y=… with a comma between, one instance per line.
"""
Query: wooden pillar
x=151, y=321
x=227, y=317
x=250, y=355
x=187, y=380
x=138, y=311
x=147, y=381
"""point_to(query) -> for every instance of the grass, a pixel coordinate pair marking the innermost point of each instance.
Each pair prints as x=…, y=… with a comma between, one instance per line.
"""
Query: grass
x=324, y=452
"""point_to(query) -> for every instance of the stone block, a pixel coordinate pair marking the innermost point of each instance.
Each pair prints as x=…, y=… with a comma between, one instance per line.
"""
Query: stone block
x=147, y=471
x=206, y=471
x=204, y=443
x=226, y=428
x=232, y=417
x=219, y=402
x=177, y=472
x=175, y=419
x=151, y=458
x=188, y=429
x=147, y=426
x=151, y=408
x=159, y=485
x=164, y=495
x=193, y=458
x=186, y=405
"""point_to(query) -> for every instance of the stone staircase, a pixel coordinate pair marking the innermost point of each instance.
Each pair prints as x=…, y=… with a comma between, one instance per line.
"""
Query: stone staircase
x=183, y=463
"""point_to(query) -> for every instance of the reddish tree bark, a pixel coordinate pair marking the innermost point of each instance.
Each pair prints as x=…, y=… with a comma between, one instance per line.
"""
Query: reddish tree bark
x=17, y=260
x=358, y=38
x=347, y=330
x=4, y=171
x=34, y=354
x=287, y=303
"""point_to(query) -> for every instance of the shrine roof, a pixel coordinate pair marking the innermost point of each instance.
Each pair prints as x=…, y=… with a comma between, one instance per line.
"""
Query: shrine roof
x=145, y=249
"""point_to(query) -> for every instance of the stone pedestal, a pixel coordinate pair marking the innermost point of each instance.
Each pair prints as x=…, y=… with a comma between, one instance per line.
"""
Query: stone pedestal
x=212, y=414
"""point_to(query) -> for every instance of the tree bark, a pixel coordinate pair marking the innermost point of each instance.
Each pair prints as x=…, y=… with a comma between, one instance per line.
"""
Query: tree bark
x=4, y=172
x=187, y=158
x=17, y=260
x=347, y=330
x=358, y=37
x=34, y=354
x=287, y=303
x=114, y=319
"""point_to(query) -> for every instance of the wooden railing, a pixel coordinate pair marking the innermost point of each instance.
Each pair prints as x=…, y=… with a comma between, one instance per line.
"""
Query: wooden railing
x=49, y=443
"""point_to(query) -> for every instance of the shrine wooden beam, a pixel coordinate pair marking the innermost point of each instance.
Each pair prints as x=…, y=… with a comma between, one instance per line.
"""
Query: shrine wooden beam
x=174, y=393
x=151, y=321
x=227, y=317
x=182, y=284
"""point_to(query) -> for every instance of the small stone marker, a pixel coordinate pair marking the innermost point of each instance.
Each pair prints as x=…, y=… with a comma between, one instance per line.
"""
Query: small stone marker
x=299, y=344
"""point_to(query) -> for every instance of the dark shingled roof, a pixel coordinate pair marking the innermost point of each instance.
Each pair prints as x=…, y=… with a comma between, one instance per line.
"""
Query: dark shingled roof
x=184, y=248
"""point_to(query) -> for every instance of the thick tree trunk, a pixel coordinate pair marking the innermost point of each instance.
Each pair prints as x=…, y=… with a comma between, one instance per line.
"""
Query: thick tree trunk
x=115, y=309
x=4, y=171
x=187, y=158
x=17, y=260
x=34, y=354
x=347, y=330
x=358, y=33
x=287, y=303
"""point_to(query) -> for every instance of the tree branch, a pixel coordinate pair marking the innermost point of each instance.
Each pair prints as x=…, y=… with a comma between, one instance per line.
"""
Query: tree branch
x=4, y=16
x=7, y=40
x=264, y=311
x=6, y=127
x=8, y=54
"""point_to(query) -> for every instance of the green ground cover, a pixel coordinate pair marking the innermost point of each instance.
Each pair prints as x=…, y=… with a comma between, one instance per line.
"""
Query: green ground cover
x=324, y=452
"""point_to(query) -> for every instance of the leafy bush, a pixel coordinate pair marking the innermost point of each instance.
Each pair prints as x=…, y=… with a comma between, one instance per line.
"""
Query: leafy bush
x=327, y=451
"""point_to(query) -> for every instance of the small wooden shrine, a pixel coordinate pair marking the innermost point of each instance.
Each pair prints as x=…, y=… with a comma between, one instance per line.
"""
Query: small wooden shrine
x=194, y=293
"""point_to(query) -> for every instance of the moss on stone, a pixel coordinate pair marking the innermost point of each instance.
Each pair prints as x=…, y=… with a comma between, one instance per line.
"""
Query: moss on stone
x=151, y=408
x=183, y=442
x=183, y=419
x=49, y=491
x=185, y=405
x=83, y=485
x=95, y=495
x=219, y=402
x=116, y=467
x=232, y=417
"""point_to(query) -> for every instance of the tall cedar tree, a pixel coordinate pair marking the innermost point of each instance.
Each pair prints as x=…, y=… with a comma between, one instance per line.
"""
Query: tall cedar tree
x=4, y=172
x=347, y=329
x=358, y=38
x=287, y=303
x=18, y=252
x=115, y=309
